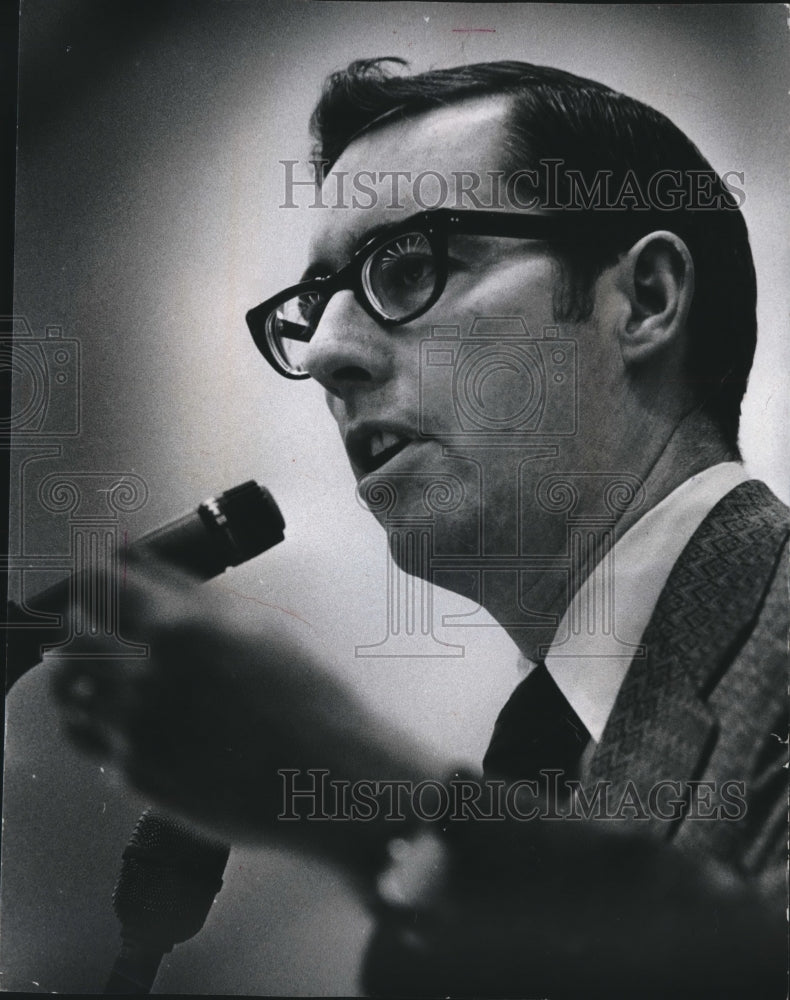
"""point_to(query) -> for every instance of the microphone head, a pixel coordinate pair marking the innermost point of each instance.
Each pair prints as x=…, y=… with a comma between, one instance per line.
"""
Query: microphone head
x=168, y=880
x=249, y=518
x=224, y=531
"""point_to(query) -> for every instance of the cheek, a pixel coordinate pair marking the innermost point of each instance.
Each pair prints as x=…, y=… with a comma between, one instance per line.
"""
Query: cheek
x=523, y=287
x=600, y=375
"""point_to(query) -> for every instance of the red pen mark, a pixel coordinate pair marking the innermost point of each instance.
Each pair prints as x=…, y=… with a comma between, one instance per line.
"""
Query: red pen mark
x=490, y=30
x=265, y=604
x=125, y=544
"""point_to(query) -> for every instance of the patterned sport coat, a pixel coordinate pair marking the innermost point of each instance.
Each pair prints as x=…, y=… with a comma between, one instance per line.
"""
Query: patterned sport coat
x=694, y=908
x=709, y=701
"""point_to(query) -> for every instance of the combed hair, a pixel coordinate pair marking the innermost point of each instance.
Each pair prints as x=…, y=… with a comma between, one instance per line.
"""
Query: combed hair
x=591, y=128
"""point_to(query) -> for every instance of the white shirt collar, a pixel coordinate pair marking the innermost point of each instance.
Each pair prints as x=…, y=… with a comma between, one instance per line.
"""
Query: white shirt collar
x=596, y=642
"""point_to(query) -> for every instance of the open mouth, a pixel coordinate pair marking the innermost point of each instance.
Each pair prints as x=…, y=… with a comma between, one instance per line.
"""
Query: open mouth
x=373, y=451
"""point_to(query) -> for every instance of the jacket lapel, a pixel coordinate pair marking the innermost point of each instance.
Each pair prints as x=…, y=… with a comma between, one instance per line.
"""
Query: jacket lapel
x=661, y=726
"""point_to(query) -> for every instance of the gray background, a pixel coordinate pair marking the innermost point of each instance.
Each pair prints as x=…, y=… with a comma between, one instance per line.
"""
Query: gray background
x=148, y=222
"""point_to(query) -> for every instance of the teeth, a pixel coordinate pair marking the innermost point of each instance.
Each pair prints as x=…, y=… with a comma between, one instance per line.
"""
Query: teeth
x=381, y=441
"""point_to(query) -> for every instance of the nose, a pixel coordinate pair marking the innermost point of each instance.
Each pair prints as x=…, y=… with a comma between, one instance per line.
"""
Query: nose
x=348, y=350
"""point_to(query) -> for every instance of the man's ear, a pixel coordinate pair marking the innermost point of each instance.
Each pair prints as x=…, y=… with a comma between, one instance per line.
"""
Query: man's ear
x=656, y=279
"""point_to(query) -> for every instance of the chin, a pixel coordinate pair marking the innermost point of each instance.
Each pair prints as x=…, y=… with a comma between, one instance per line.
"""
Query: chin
x=417, y=544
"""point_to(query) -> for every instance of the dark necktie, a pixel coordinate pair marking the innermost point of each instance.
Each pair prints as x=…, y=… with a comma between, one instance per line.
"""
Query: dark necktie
x=536, y=730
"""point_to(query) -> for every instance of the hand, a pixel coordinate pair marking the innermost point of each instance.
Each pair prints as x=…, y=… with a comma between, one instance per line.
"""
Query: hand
x=204, y=722
x=567, y=911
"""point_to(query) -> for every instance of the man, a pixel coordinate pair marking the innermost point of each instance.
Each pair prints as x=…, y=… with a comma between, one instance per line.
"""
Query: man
x=616, y=261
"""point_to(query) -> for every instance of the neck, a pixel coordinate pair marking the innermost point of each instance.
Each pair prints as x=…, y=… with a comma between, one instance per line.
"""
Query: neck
x=694, y=445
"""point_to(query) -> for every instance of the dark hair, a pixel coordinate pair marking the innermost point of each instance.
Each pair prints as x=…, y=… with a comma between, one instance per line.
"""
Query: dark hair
x=590, y=128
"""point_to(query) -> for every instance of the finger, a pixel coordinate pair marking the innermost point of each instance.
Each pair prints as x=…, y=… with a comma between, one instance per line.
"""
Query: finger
x=101, y=701
x=416, y=873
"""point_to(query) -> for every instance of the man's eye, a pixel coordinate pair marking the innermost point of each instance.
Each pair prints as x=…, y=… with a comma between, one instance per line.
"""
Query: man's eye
x=408, y=261
x=411, y=270
x=311, y=307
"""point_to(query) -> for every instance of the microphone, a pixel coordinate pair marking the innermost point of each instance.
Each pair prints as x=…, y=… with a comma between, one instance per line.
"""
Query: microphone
x=167, y=884
x=224, y=531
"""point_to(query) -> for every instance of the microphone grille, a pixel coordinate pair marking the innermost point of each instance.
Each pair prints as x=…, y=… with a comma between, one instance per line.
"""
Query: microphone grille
x=168, y=880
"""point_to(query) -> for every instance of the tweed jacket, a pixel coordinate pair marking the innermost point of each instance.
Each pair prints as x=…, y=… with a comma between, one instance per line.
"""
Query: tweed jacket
x=596, y=918
x=708, y=701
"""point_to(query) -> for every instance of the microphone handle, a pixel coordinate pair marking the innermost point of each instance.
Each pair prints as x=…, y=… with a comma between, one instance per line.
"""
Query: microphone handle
x=134, y=970
x=224, y=531
x=182, y=544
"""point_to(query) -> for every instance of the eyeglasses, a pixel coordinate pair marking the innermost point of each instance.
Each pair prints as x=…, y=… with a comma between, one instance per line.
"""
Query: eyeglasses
x=396, y=277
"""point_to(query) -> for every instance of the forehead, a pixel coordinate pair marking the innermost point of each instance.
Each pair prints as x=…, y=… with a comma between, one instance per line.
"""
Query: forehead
x=394, y=171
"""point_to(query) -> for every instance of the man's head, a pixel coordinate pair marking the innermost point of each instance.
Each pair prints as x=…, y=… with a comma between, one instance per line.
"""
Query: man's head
x=655, y=312
x=603, y=137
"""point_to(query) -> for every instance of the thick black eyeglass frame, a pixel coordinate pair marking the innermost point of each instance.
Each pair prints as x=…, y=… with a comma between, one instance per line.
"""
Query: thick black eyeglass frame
x=436, y=225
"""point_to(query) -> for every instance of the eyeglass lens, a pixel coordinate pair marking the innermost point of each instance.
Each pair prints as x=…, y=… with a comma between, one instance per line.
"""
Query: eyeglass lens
x=290, y=326
x=398, y=279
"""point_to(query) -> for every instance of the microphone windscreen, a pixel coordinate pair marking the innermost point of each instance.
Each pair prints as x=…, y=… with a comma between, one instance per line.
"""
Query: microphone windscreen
x=168, y=880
